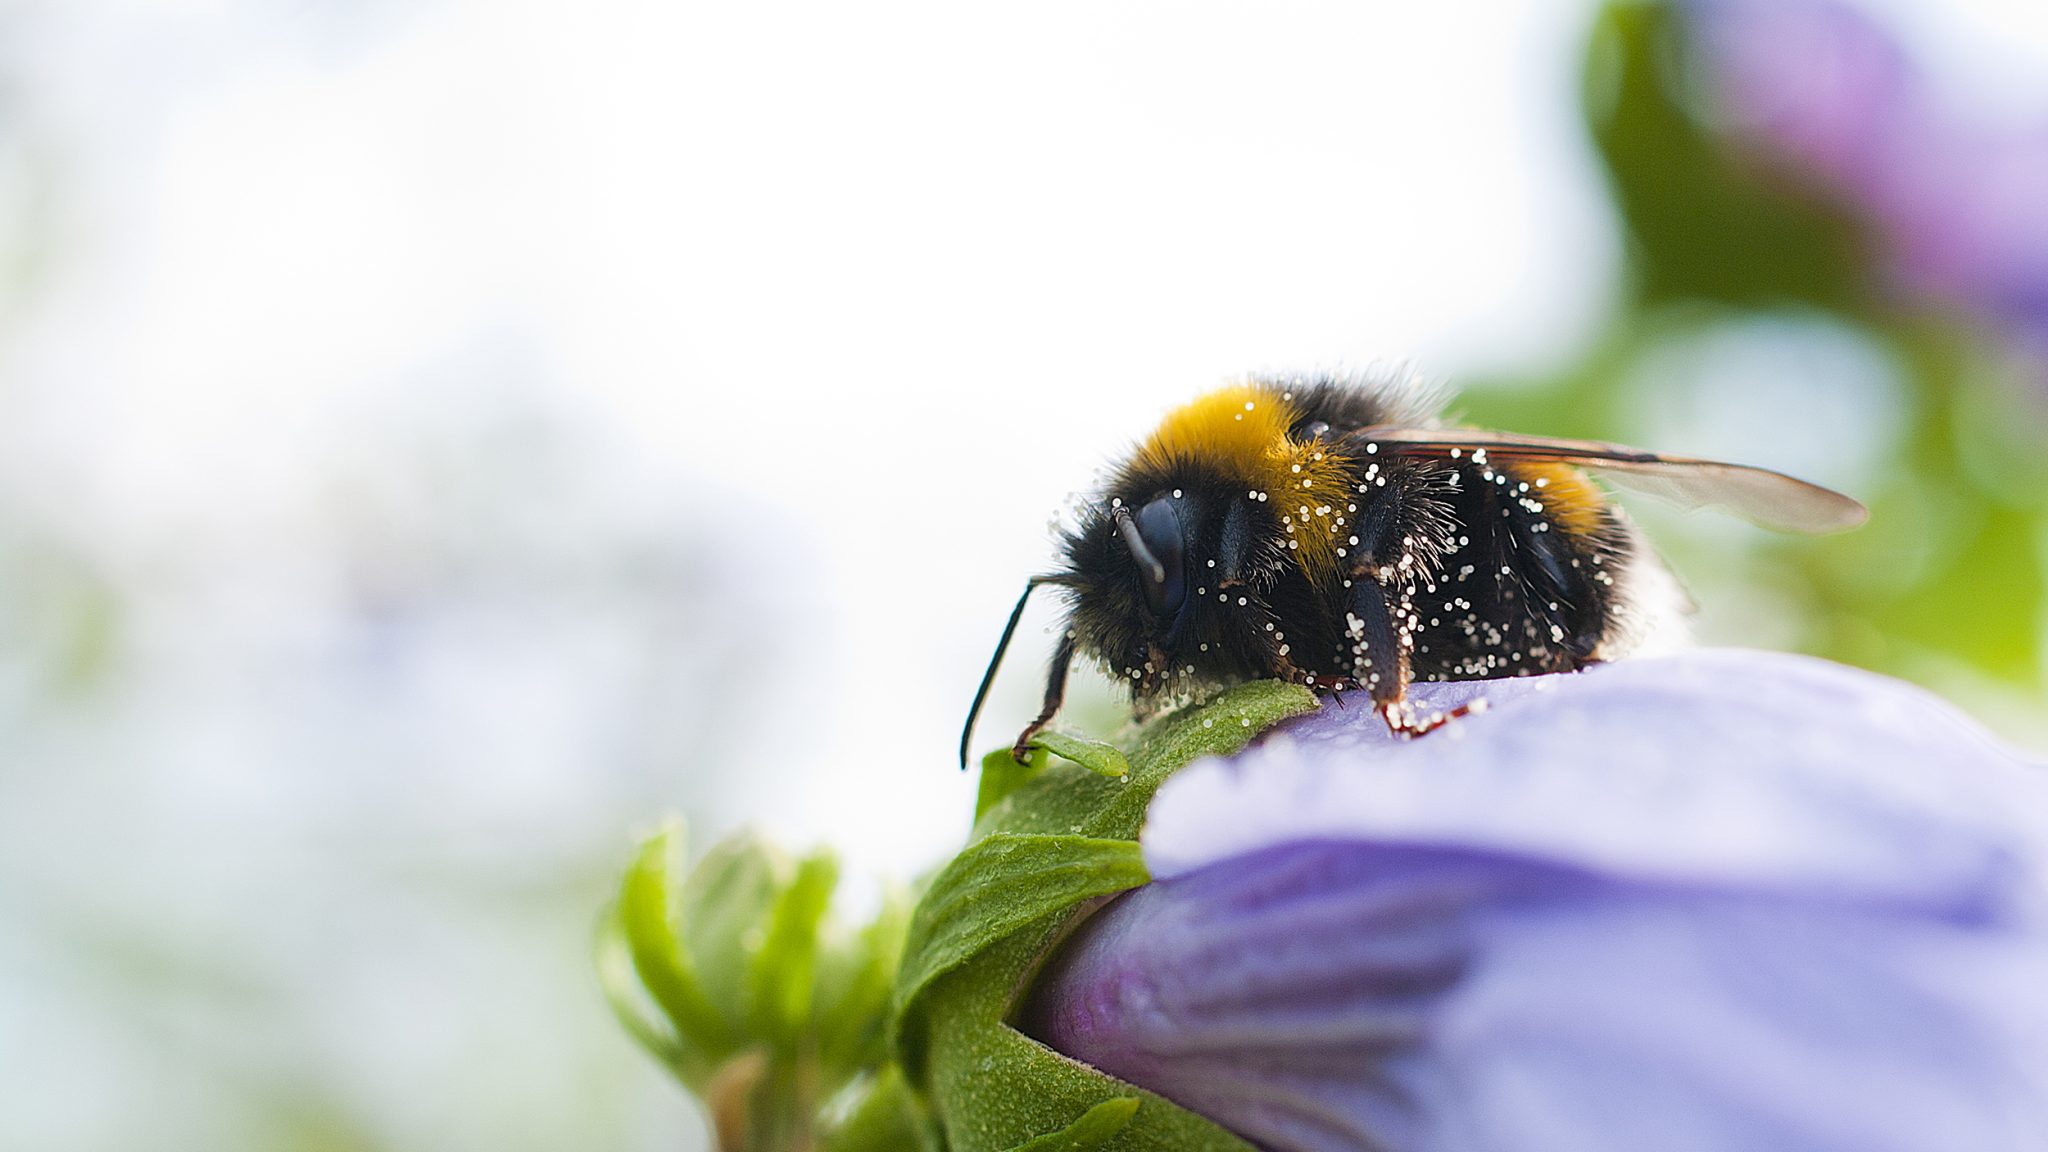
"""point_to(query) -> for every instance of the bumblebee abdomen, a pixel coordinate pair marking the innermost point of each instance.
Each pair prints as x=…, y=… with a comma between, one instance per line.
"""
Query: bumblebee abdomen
x=1536, y=578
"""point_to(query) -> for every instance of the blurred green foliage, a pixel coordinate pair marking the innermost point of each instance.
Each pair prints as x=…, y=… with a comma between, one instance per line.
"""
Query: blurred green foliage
x=1945, y=584
x=1703, y=223
x=737, y=981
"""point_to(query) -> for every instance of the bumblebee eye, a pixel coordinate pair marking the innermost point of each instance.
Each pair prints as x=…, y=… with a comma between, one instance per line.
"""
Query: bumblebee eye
x=1159, y=527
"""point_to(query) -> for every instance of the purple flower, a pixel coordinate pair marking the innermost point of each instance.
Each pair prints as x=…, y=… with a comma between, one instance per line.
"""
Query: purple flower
x=1721, y=900
x=1818, y=91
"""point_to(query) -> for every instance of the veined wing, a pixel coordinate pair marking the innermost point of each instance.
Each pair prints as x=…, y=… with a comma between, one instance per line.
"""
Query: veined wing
x=1763, y=497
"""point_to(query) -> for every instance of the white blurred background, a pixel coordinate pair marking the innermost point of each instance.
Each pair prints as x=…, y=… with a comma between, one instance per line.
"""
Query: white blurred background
x=438, y=438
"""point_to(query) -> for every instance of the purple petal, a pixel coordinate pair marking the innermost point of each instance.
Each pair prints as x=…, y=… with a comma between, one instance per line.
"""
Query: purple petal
x=1718, y=901
x=1815, y=84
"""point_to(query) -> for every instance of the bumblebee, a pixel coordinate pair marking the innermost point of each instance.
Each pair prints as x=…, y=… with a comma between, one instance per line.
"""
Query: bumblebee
x=1335, y=532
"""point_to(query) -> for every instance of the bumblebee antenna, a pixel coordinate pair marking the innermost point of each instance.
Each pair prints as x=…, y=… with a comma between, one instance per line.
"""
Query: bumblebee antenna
x=996, y=661
x=1135, y=541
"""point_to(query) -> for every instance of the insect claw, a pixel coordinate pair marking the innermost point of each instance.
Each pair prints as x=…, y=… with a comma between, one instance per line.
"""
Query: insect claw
x=1401, y=719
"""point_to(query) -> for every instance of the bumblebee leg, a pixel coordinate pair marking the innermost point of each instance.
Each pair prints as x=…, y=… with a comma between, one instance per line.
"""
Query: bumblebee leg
x=1055, y=693
x=1379, y=652
x=1380, y=639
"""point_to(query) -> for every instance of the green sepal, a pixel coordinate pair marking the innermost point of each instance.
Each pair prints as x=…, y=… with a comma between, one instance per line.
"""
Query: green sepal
x=993, y=1088
x=1002, y=883
x=1002, y=774
x=1097, y=757
x=969, y=961
x=1094, y=1127
x=1067, y=798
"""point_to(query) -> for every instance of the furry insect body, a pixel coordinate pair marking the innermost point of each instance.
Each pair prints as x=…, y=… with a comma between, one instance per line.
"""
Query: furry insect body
x=1330, y=532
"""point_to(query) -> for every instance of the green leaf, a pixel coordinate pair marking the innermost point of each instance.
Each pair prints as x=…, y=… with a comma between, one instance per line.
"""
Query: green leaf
x=1001, y=884
x=1097, y=757
x=779, y=977
x=645, y=917
x=1002, y=774
x=1094, y=1127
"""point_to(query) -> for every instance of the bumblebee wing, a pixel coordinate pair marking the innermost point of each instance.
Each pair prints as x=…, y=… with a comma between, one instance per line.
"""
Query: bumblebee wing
x=1763, y=497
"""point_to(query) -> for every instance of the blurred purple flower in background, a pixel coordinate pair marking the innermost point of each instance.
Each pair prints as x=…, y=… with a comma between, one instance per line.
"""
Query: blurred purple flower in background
x=1722, y=900
x=1821, y=93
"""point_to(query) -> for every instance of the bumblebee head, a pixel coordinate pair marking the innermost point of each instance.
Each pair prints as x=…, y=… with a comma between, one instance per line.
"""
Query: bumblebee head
x=1168, y=584
x=1165, y=581
x=1128, y=571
